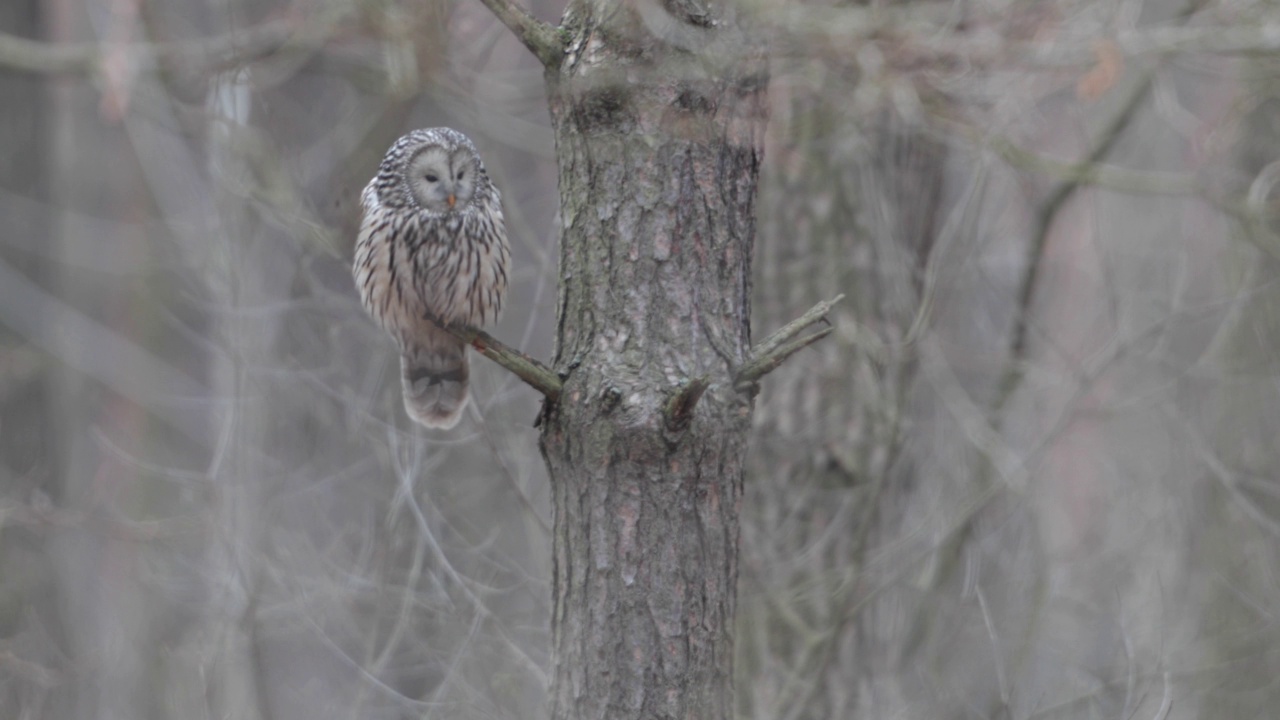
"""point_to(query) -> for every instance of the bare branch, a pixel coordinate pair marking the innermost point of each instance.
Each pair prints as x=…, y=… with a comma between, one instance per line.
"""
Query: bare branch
x=34, y=56
x=542, y=39
x=212, y=54
x=812, y=315
x=533, y=373
x=679, y=409
x=757, y=368
x=1098, y=174
x=854, y=26
x=774, y=350
x=1045, y=217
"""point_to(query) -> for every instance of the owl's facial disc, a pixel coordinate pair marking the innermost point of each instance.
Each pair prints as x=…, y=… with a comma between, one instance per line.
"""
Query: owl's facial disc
x=431, y=180
x=463, y=170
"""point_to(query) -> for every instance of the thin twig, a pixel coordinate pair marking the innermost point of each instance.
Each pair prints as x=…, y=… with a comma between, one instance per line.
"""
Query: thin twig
x=535, y=374
x=1048, y=212
x=542, y=39
x=771, y=352
x=1098, y=174
x=1166, y=702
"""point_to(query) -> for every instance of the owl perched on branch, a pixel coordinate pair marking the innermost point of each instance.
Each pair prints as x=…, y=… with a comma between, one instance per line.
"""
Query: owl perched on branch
x=432, y=244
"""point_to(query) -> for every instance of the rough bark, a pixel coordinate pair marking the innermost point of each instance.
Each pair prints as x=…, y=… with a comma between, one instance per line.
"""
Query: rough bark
x=658, y=121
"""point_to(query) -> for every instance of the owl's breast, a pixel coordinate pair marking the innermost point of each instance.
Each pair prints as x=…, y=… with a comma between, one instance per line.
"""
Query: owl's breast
x=411, y=265
x=462, y=262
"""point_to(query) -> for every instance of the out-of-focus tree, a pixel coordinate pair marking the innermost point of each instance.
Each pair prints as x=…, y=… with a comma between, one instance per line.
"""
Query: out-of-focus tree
x=28, y=462
x=1001, y=514
x=1030, y=473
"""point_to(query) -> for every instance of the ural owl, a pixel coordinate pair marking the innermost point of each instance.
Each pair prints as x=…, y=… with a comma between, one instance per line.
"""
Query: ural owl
x=432, y=244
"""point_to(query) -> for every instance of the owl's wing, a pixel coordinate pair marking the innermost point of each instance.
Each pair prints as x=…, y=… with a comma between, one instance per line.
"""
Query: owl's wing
x=371, y=265
x=369, y=201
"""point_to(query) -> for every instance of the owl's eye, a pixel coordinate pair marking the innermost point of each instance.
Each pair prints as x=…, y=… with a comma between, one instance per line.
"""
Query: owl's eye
x=460, y=174
x=430, y=178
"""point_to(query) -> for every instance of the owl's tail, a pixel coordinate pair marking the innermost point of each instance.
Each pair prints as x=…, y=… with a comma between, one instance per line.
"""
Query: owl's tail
x=434, y=373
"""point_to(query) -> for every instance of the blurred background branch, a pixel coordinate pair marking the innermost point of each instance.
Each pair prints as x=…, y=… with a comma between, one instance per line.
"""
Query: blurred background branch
x=202, y=56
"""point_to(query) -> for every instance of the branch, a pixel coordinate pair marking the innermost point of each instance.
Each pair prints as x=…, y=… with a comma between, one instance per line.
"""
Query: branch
x=1046, y=214
x=1098, y=174
x=535, y=374
x=775, y=349
x=33, y=56
x=542, y=39
x=211, y=54
x=928, y=43
x=679, y=409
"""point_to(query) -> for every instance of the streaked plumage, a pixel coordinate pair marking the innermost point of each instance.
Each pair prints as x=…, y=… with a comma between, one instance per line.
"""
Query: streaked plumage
x=420, y=253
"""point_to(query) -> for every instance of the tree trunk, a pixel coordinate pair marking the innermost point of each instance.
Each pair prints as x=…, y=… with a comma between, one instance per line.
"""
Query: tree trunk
x=849, y=206
x=658, y=134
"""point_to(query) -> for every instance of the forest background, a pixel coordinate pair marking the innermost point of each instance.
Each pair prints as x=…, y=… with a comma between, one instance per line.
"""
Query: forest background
x=1031, y=474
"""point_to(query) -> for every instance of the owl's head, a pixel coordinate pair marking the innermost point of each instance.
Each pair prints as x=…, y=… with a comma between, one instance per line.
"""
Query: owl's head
x=443, y=178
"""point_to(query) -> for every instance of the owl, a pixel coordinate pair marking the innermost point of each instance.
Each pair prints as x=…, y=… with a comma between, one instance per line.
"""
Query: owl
x=432, y=244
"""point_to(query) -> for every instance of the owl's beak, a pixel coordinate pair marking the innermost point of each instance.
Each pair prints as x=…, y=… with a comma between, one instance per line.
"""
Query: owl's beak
x=452, y=200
